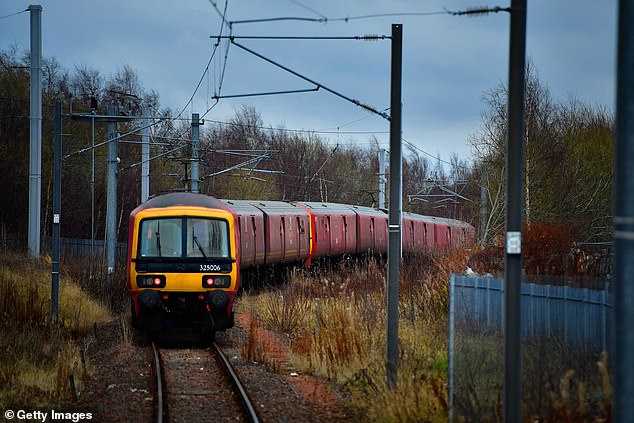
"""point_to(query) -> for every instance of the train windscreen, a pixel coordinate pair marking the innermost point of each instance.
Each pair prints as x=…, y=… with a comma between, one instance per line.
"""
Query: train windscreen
x=193, y=237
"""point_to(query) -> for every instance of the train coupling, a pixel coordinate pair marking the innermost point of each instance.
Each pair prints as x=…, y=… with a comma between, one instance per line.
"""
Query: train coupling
x=218, y=300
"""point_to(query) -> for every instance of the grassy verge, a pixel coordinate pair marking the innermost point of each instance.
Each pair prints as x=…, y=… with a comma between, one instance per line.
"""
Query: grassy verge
x=38, y=356
x=336, y=320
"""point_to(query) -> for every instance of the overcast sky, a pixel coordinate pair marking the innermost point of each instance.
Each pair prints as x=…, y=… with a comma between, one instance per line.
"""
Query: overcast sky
x=449, y=62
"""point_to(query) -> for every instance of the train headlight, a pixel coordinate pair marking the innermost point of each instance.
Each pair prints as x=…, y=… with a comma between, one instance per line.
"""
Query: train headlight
x=150, y=281
x=216, y=281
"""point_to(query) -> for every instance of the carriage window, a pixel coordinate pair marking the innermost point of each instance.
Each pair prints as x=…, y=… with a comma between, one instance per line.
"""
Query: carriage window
x=161, y=237
x=207, y=238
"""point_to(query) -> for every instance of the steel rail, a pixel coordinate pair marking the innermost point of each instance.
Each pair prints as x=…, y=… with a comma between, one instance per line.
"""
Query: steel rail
x=235, y=380
x=159, y=384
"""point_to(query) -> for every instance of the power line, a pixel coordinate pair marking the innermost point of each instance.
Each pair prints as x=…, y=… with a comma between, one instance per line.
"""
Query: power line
x=304, y=131
x=434, y=157
x=305, y=37
x=13, y=14
x=354, y=121
x=277, y=19
x=354, y=101
x=308, y=8
x=213, y=53
x=221, y=14
x=325, y=19
x=480, y=11
x=385, y=15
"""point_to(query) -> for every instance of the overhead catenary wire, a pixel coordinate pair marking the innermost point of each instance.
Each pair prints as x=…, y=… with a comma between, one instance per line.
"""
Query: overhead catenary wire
x=350, y=123
x=13, y=14
x=308, y=8
x=338, y=94
x=213, y=53
x=223, y=15
x=305, y=37
x=83, y=150
x=324, y=19
x=434, y=157
x=471, y=11
x=152, y=158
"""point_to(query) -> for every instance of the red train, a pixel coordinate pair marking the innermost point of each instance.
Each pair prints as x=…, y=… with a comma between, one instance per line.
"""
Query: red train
x=186, y=251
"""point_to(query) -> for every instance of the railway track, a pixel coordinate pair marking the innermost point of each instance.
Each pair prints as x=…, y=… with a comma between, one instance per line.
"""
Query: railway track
x=198, y=385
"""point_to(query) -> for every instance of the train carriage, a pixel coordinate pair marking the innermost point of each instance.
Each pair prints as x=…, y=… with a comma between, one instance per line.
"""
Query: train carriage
x=250, y=230
x=333, y=229
x=371, y=230
x=283, y=227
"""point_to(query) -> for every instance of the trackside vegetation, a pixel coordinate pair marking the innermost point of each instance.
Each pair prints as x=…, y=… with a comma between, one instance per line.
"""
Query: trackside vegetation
x=334, y=316
x=37, y=355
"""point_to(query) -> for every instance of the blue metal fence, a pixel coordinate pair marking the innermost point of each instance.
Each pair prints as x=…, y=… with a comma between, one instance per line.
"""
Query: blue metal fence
x=562, y=327
x=83, y=247
x=576, y=316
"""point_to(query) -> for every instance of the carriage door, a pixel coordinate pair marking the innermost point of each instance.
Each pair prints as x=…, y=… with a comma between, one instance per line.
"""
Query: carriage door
x=256, y=250
x=345, y=235
x=328, y=235
x=425, y=242
x=372, y=236
x=283, y=237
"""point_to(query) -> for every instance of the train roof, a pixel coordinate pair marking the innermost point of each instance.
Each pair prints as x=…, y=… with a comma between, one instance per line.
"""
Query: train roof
x=253, y=206
x=435, y=219
x=325, y=208
x=187, y=199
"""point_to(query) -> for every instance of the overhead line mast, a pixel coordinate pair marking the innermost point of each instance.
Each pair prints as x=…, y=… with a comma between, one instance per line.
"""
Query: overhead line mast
x=35, y=160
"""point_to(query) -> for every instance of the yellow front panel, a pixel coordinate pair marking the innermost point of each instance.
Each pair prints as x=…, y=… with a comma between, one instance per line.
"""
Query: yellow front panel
x=184, y=282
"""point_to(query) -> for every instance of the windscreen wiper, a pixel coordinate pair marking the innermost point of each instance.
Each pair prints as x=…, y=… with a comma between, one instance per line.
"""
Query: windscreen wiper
x=195, y=238
x=158, y=237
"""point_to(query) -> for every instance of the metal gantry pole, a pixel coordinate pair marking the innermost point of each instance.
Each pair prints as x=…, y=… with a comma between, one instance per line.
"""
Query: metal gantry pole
x=145, y=155
x=514, y=215
x=35, y=159
x=623, y=344
x=111, y=208
x=394, y=216
x=57, y=207
x=92, y=196
x=195, y=151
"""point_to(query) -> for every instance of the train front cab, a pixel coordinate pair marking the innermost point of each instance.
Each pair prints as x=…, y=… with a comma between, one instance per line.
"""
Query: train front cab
x=182, y=272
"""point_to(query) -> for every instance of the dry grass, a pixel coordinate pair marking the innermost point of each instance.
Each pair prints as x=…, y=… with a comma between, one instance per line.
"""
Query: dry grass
x=37, y=356
x=336, y=318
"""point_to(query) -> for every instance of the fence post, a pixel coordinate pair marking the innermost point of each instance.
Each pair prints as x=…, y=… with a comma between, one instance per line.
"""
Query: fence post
x=450, y=364
x=604, y=319
x=488, y=301
x=547, y=325
x=565, y=316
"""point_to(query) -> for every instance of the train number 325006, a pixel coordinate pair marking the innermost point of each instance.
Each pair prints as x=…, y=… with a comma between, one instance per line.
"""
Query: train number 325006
x=210, y=268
